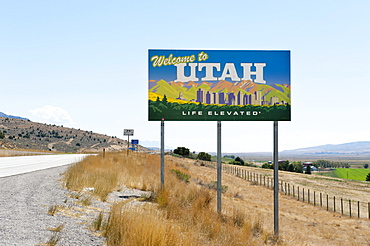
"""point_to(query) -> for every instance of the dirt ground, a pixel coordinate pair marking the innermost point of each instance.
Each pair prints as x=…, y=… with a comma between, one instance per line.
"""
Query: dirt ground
x=300, y=223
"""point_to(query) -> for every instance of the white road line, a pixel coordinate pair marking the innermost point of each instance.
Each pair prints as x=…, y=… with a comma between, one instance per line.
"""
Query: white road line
x=23, y=164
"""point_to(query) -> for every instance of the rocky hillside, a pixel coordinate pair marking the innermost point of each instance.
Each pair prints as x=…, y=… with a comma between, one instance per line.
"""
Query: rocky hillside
x=23, y=134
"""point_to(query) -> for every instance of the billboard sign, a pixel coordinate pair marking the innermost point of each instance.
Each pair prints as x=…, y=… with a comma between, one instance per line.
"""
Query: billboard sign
x=135, y=141
x=219, y=85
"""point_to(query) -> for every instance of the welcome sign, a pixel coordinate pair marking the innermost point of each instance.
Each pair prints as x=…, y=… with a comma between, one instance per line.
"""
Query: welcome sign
x=219, y=85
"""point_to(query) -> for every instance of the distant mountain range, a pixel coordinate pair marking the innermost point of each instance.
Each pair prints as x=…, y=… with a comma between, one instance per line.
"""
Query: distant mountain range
x=348, y=151
x=188, y=90
x=11, y=116
x=354, y=148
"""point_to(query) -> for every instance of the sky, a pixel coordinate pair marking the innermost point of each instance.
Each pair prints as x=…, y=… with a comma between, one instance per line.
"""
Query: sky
x=84, y=64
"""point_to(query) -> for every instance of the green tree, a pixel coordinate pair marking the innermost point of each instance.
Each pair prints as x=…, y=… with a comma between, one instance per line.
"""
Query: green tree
x=365, y=166
x=299, y=168
x=308, y=169
x=2, y=135
x=238, y=159
x=182, y=151
x=368, y=177
x=283, y=165
x=164, y=99
x=204, y=156
x=290, y=167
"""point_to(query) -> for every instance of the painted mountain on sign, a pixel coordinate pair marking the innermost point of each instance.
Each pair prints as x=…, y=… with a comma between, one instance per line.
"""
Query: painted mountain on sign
x=188, y=90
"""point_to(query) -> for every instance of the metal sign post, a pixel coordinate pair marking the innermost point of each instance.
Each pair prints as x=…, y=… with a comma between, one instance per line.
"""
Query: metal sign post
x=276, y=180
x=219, y=167
x=128, y=133
x=162, y=153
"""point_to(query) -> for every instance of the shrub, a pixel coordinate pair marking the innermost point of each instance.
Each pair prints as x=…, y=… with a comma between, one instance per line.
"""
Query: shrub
x=182, y=151
x=368, y=177
x=204, y=156
x=180, y=175
x=266, y=165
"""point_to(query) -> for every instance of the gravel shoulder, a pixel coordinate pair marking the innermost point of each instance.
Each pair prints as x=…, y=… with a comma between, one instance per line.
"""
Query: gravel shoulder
x=24, y=203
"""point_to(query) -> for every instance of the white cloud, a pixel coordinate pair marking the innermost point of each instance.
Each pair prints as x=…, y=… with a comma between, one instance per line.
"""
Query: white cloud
x=52, y=114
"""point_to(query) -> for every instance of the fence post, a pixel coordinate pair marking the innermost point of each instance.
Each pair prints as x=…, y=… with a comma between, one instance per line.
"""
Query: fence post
x=314, y=198
x=303, y=194
x=334, y=204
x=298, y=192
x=341, y=205
x=327, y=202
x=350, y=209
x=293, y=191
x=358, y=209
x=320, y=199
x=308, y=195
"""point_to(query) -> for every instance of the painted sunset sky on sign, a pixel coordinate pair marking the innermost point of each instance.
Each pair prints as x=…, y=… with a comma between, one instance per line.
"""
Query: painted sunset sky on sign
x=276, y=70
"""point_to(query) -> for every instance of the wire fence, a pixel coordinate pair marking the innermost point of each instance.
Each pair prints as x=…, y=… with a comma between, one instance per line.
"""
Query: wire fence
x=345, y=207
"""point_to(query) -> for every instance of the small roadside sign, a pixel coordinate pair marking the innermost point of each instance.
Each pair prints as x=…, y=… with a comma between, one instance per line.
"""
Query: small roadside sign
x=128, y=132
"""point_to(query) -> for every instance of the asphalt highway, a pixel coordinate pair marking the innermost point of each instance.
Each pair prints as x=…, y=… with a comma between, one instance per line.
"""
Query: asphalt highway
x=10, y=166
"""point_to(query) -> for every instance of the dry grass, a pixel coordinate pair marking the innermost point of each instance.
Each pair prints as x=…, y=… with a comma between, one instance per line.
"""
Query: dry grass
x=53, y=209
x=184, y=212
x=108, y=174
x=57, y=229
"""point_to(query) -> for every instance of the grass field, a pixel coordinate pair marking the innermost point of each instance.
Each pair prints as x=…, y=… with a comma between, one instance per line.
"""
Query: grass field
x=348, y=173
x=351, y=173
